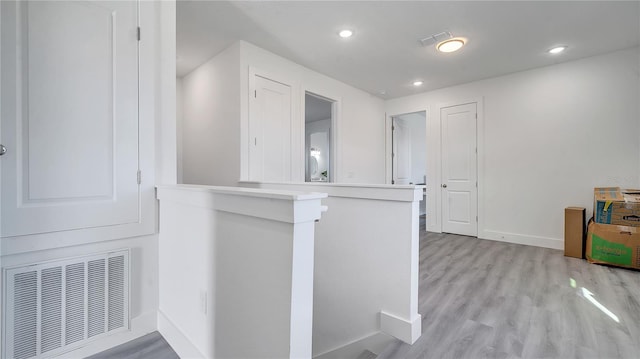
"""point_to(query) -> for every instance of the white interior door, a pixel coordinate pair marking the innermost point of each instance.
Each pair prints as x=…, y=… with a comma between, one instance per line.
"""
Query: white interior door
x=459, y=170
x=401, y=155
x=69, y=115
x=270, y=131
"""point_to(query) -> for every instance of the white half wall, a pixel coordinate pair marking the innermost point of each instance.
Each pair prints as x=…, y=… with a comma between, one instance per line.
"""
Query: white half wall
x=366, y=263
x=550, y=135
x=236, y=271
x=211, y=124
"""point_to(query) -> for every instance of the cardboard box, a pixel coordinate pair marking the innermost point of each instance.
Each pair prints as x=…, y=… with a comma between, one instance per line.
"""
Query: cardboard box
x=574, y=228
x=615, y=206
x=614, y=245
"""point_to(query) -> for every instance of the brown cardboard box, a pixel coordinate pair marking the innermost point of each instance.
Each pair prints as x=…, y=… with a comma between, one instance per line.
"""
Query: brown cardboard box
x=615, y=206
x=574, y=226
x=614, y=245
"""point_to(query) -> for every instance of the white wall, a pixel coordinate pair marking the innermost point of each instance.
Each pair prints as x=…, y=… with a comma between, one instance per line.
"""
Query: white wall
x=359, y=132
x=549, y=136
x=211, y=127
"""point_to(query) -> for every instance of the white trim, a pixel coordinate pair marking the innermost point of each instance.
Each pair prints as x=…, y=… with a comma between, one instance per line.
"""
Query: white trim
x=480, y=163
x=179, y=342
x=528, y=240
x=406, y=330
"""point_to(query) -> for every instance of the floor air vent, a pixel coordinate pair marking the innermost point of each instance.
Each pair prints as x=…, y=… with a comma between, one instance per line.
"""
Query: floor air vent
x=56, y=306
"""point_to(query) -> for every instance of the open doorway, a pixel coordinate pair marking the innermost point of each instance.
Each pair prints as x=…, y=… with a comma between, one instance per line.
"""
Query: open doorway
x=409, y=151
x=409, y=142
x=318, y=119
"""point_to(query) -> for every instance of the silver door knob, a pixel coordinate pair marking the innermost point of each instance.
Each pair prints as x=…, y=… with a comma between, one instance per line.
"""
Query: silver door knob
x=444, y=185
x=3, y=150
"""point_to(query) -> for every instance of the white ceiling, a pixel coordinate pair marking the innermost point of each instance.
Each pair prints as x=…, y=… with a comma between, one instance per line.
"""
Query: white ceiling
x=385, y=54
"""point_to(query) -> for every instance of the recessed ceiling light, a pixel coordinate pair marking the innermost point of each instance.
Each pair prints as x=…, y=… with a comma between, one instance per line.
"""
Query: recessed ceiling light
x=345, y=33
x=557, y=49
x=451, y=45
x=417, y=83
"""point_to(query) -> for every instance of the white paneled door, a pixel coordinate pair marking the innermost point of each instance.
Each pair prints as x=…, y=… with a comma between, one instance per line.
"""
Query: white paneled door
x=270, y=131
x=459, y=169
x=69, y=115
x=401, y=155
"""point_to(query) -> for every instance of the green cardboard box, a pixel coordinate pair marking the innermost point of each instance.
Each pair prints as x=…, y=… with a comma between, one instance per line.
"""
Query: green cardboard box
x=614, y=245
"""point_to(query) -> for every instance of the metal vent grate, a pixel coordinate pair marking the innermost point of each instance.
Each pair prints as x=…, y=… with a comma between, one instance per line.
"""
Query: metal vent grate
x=26, y=315
x=116, y=292
x=51, y=309
x=57, y=306
x=96, y=297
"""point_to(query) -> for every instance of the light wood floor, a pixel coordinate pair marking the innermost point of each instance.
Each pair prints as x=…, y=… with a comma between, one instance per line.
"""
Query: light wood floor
x=150, y=346
x=486, y=299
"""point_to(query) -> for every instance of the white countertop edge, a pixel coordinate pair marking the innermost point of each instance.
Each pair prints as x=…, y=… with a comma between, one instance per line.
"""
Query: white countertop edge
x=345, y=185
x=247, y=192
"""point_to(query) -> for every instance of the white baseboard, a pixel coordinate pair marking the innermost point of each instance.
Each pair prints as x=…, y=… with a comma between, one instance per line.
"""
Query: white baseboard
x=140, y=325
x=406, y=330
x=528, y=240
x=176, y=339
x=375, y=343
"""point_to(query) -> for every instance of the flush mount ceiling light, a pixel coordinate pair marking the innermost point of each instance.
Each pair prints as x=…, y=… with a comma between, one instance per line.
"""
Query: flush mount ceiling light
x=417, y=83
x=557, y=49
x=451, y=45
x=345, y=33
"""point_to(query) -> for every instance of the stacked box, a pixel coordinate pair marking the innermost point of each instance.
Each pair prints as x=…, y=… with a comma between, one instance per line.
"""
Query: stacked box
x=574, y=226
x=615, y=206
x=613, y=236
x=614, y=245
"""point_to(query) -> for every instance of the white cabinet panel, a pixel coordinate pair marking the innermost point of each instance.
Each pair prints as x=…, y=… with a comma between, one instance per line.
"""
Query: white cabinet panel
x=270, y=131
x=69, y=115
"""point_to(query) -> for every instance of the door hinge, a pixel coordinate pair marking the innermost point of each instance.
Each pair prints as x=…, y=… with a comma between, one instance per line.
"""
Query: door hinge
x=138, y=33
x=476, y=184
x=255, y=93
x=139, y=177
x=476, y=115
x=393, y=182
x=255, y=141
x=393, y=128
x=476, y=218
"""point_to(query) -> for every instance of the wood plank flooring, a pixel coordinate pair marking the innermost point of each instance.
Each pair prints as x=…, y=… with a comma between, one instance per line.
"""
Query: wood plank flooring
x=486, y=299
x=150, y=346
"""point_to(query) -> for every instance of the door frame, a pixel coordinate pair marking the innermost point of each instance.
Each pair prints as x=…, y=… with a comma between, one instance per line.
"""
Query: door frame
x=335, y=168
x=436, y=176
x=388, y=141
